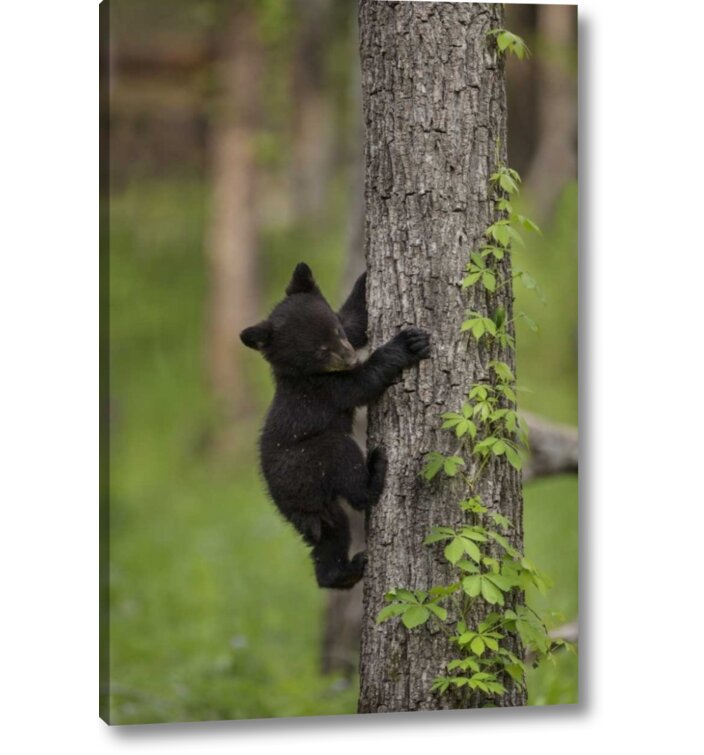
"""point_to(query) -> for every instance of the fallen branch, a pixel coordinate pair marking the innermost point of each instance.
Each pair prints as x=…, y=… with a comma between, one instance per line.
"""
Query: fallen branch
x=554, y=448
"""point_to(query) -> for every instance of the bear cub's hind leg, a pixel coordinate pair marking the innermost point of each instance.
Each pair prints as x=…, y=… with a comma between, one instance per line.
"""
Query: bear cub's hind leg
x=360, y=482
x=376, y=466
x=333, y=568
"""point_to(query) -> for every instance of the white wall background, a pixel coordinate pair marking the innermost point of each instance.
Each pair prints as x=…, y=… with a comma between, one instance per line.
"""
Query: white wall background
x=641, y=287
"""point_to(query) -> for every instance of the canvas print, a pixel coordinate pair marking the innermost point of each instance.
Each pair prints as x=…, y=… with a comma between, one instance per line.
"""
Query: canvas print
x=339, y=358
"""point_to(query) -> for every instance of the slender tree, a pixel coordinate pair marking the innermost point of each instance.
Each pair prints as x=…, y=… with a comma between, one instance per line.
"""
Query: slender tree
x=555, y=159
x=232, y=244
x=435, y=117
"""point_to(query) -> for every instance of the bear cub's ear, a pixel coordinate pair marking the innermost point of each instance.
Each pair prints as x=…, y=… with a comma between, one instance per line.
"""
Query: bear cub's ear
x=302, y=281
x=257, y=336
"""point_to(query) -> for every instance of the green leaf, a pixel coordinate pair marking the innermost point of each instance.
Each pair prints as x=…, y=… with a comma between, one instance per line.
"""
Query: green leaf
x=477, y=646
x=435, y=537
x=530, y=323
x=500, y=233
x=508, y=184
x=433, y=464
x=415, y=616
x=527, y=223
x=465, y=664
x=502, y=371
x=515, y=235
x=501, y=581
x=472, y=550
x=470, y=279
x=451, y=464
x=454, y=550
x=503, y=40
x=513, y=458
x=491, y=593
x=515, y=671
x=477, y=260
x=388, y=612
x=507, y=391
x=461, y=428
x=467, y=566
x=501, y=540
x=501, y=520
x=472, y=585
x=474, y=533
x=439, y=611
x=489, y=281
x=491, y=643
x=474, y=505
x=478, y=328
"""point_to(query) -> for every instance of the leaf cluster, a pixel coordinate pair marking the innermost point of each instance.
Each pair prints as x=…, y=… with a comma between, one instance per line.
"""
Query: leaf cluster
x=507, y=41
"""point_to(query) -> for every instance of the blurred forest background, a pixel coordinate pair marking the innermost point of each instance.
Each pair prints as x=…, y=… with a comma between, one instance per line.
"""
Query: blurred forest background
x=235, y=151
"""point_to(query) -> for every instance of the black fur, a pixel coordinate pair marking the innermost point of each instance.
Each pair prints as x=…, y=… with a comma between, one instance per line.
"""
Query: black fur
x=308, y=457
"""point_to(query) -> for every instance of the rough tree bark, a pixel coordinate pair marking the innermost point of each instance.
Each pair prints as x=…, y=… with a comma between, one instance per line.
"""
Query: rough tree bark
x=435, y=117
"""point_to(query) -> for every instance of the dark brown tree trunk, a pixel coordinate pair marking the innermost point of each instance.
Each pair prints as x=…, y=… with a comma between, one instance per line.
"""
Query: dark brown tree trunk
x=435, y=116
x=232, y=242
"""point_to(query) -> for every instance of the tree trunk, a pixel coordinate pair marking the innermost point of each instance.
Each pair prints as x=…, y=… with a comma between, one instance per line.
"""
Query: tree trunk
x=435, y=116
x=554, y=448
x=312, y=147
x=555, y=159
x=233, y=230
x=343, y=613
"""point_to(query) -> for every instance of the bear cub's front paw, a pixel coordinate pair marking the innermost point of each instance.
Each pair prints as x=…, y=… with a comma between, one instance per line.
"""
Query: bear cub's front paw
x=415, y=344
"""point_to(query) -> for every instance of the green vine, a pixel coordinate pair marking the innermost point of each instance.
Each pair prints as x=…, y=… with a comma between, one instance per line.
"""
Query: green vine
x=487, y=427
x=507, y=41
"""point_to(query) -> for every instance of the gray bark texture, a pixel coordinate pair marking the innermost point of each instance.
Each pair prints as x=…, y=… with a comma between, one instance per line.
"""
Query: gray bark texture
x=435, y=119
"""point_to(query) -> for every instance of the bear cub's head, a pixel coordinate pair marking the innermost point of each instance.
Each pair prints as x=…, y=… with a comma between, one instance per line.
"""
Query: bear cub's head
x=302, y=335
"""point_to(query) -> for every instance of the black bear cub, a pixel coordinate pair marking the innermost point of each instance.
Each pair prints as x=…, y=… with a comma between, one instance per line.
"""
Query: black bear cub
x=308, y=456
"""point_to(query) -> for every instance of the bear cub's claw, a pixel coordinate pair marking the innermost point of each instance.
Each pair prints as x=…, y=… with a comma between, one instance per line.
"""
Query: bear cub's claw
x=415, y=342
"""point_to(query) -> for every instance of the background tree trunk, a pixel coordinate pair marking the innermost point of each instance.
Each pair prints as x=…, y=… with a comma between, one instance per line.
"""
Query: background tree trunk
x=343, y=613
x=233, y=234
x=435, y=115
x=555, y=159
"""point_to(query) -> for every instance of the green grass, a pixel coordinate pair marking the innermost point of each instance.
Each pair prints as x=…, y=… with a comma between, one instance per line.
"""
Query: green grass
x=547, y=367
x=214, y=612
